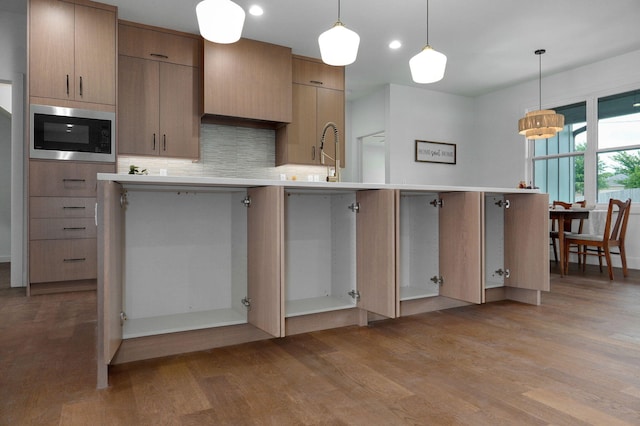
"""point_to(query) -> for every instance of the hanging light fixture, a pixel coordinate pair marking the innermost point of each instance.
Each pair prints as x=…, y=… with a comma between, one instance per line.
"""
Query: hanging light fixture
x=428, y=65
x=220, y=21
x=543, y=123
x=339, y=45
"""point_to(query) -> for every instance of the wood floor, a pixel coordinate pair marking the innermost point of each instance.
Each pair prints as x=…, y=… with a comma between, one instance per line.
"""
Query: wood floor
x=575, y=360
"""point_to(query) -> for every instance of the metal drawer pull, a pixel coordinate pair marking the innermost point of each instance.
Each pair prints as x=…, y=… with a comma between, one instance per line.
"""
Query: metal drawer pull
x=74, y=207
x=316, y=82
x=74, y=180
x=75, y=228
x=159, y=55
x=78, y=259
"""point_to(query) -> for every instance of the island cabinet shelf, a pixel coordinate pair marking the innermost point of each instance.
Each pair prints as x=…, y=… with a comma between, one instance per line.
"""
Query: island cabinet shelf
x=187, y=264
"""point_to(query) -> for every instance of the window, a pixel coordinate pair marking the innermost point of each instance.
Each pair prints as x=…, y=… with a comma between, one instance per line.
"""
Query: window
x=558, y=162
x=618, y=154
x=612, y=158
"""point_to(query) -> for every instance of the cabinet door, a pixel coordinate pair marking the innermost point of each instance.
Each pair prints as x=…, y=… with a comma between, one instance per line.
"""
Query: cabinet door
x=376, y=252
x=248, y=79
x=95, y=55
x=179, y=119
x=301, y=132
x=316, y=73
x=460, y=246
x=331, y=109
x=526, y=245
x=265, y=234
x=138, y=100
x=110, y=274
x=51, y=49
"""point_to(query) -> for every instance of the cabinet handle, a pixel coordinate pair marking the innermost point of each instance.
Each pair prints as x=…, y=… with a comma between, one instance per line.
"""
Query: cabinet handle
x=316, y=82
x=76, y=259
x=74, y=180
x=159, y=55
x=73, y=207
x=67, y=84
x=75, y=228
x=313, y=152
x=80, y=85
x=164, y=142
x=154, y=141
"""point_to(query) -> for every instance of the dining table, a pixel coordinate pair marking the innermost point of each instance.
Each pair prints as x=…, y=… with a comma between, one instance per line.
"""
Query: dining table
x=565, y=216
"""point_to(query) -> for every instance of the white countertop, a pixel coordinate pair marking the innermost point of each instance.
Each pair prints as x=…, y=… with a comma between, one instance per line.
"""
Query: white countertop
x=169, y=182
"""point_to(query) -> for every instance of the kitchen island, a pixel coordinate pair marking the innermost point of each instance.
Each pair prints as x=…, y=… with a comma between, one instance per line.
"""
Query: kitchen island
x=193, y=263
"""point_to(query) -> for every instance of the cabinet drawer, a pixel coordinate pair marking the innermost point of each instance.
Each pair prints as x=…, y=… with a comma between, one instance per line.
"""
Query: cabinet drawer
x=65, y=178
x=62, y=260
x=49, y=207
x=157, y=45
x=315, y=73
x=62, y=228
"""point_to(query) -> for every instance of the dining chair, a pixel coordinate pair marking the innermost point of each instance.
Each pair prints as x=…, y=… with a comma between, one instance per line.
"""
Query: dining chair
x=601, y=244
x=553, y=234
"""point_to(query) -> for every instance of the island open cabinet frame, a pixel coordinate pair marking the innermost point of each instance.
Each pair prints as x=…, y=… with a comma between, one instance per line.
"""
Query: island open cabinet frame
x=339, y=262
x=516, y=249
x=180, y=275
x=439, y=250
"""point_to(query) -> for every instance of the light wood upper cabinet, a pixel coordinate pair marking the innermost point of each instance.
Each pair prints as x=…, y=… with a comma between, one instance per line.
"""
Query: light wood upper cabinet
x=72, y=51
x=318, y=98
x=158, y=100
x=150, y=43
x=248, y=79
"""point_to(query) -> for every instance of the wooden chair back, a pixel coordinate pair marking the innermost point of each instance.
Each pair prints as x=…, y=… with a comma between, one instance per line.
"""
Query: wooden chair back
x=567, y=206
x=617, y=232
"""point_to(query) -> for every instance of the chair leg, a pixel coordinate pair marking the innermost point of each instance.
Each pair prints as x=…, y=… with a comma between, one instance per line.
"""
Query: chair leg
x=623, y=259
x=600, y=258
x=607, y=255
x=555, y=251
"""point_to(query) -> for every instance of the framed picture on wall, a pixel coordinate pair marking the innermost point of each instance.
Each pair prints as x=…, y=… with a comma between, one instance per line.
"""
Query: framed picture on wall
x=435, y=152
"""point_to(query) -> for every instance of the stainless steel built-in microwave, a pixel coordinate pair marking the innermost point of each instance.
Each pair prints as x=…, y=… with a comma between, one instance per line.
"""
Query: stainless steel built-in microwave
x=72, y=134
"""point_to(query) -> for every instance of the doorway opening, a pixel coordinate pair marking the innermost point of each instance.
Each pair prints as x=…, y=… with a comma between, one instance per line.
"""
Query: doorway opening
x=5, y=182
x=373, y=158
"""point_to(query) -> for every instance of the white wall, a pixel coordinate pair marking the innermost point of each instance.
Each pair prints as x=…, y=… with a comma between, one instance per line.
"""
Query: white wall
x=422, y=114
x=13, y=66
x=5, y=185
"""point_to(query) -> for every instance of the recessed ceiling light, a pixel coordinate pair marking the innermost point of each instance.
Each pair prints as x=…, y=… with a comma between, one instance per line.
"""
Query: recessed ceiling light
x=256, y=10
x=395, y=44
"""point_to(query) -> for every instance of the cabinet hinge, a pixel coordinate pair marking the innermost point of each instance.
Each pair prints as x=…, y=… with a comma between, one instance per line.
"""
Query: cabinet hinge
x=503, y=273
x=355, y=294
x=438, y=202
x=246, y=201
x=355, y=207
x=123, y=199
x=437, y=280
x=123, y=317
x=246, y=302
x=506, y=203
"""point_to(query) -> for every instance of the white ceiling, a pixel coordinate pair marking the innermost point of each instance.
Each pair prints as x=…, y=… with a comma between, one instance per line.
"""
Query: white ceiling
x=489, y=43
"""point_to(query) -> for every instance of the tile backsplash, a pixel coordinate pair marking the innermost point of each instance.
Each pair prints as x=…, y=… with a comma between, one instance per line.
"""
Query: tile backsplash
x=226, y=151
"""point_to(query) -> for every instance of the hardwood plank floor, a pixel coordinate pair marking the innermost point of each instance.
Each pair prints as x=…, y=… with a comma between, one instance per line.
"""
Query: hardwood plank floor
x=574, y=360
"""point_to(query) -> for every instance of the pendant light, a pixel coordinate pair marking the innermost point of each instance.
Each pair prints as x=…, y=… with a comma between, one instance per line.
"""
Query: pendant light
x=428, y=66
x=543, y=123
x=220, y=21
x=339, y=45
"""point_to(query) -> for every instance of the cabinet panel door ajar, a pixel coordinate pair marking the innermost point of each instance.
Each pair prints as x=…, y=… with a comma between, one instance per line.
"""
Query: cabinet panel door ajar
x=265, y=233
x=460, y=246
x=376, y=248
x=526, y=241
